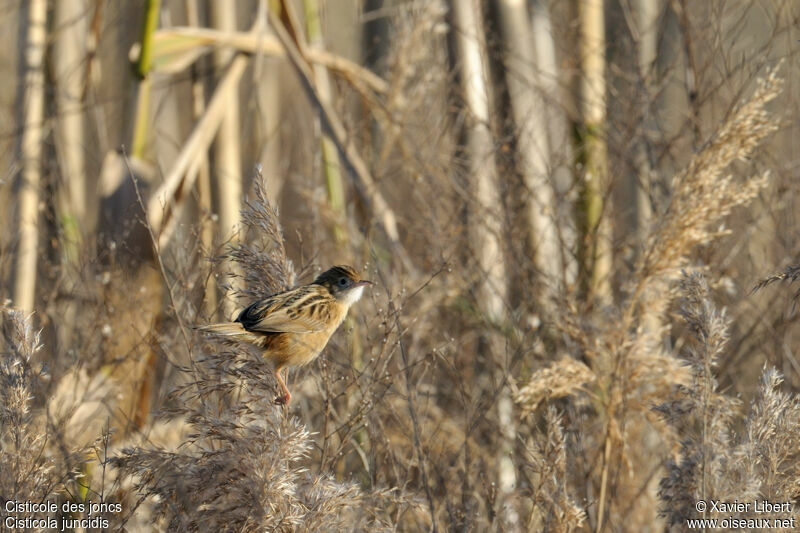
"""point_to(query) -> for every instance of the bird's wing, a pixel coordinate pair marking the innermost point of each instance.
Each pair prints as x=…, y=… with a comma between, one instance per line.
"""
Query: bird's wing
x=294, y=311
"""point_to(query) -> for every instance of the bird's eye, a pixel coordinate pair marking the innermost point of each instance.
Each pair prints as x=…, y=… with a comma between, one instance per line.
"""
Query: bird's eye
x=342, y=282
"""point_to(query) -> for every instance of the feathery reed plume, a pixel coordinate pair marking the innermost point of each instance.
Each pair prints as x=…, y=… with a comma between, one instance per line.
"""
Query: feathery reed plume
x=702, y=416
x=562, y=378
x=624, y=350
x=711, y=464
x=262, y=256
x=772, y=440
x=553, y=508
x=702, y=195
x=26, y=472
x=33, y=467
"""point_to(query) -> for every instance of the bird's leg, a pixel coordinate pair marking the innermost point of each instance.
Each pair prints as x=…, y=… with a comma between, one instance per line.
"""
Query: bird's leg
x=282, y=400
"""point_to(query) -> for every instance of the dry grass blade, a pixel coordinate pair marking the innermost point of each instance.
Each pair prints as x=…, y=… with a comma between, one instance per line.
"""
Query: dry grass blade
x=790, y=274
x=176, y=49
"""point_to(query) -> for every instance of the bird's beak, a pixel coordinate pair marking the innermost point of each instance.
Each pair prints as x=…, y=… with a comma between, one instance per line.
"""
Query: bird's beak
x=363, y=283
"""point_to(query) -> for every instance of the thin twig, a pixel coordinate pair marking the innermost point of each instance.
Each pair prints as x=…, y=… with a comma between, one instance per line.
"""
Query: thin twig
x=410, y=400
x=157, y=254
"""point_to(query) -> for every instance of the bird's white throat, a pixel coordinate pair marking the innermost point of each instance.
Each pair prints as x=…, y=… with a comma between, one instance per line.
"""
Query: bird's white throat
x=353, y=295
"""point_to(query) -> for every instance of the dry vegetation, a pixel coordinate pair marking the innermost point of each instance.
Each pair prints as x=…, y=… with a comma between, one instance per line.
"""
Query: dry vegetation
x=479, y=385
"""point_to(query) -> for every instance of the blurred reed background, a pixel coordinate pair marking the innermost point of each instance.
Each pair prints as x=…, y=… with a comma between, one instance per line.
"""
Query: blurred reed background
x=565, y=207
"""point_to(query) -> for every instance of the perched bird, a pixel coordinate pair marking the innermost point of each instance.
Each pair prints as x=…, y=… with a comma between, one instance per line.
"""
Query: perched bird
x=292, y=327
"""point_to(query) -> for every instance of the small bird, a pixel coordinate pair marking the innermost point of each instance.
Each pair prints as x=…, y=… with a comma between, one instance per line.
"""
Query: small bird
x=292, y=327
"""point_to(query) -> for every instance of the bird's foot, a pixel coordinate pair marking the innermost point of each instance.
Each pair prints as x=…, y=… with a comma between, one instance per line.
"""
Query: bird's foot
x=283, y=400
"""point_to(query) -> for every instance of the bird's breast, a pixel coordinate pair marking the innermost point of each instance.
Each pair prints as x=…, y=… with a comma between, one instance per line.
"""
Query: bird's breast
x=298, y=349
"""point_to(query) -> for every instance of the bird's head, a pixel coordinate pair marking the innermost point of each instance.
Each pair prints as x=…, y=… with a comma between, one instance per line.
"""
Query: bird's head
x=344, y=283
